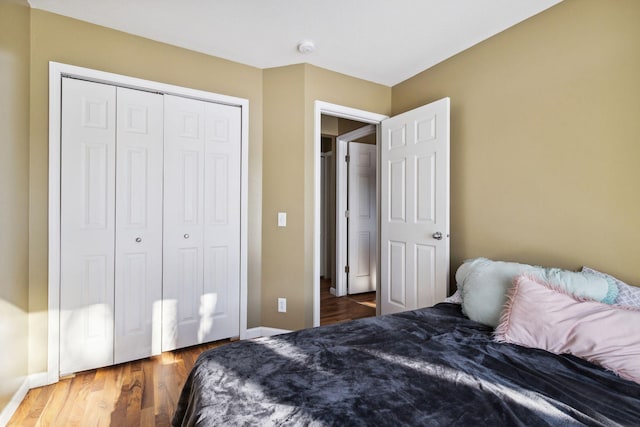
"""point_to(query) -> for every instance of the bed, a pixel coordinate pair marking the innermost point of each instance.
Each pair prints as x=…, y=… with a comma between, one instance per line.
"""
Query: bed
x=432, y=366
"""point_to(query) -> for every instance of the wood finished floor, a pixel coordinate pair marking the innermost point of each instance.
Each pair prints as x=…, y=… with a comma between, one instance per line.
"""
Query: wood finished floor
x=140, y=393
x=340, y=309
x=145, y=392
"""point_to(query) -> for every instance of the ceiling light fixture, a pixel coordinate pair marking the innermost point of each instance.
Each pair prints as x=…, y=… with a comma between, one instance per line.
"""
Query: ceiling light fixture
x=306, y=46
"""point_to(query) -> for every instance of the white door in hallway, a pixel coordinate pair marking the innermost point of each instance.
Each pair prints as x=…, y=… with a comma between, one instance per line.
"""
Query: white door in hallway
x=362, y=218
x=415, y=208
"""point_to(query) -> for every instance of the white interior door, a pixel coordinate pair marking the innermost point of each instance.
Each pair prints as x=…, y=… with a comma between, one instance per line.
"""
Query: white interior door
x=341, y=181
x=138, y=262
x=362, y=218
x=183, y=228
x=415, y=208
x=88, y=152
x=220, y=300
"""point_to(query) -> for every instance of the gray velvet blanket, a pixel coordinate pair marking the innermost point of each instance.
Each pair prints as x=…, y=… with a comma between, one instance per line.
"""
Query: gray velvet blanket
x=425, y=367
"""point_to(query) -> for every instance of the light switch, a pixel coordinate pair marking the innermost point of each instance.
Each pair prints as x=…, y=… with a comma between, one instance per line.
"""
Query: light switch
x=282, y=305
x=282, y=219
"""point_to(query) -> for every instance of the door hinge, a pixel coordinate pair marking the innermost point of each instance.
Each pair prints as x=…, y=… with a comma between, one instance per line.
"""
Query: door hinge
x=346, y=214
x=346, y=268
x=347, y=158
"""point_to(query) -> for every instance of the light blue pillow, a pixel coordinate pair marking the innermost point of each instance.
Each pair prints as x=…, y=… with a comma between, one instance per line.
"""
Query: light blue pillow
x=484, y=284
x=581, y=284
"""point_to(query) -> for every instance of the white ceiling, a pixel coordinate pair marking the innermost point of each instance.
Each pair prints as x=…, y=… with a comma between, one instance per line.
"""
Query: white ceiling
x=384, y=41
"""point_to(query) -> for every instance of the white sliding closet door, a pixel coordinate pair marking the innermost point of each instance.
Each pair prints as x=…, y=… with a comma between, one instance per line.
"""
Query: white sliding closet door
x=201, y=222
x=138, y=263
x=87, y=225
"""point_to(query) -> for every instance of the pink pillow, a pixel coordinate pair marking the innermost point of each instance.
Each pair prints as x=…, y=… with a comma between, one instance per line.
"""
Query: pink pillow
x=537, y=315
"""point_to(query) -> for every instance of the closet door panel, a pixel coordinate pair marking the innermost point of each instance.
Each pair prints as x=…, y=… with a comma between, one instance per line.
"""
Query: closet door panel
x=183, y=222
x=138, y=262
x=87, y=225
x=221, y=298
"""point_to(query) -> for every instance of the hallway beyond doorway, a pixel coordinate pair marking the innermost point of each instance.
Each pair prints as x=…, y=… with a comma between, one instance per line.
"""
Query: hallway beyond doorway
x=341, y=309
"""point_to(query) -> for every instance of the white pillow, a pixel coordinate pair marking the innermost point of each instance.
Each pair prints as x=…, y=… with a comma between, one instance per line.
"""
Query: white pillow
x=484, y=285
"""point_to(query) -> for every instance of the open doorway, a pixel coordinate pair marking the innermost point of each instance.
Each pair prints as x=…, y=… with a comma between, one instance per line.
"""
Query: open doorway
x=348, y=219
x=413, y=148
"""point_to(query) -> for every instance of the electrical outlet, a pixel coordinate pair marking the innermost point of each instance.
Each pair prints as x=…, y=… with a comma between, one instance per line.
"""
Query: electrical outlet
x=282, y=305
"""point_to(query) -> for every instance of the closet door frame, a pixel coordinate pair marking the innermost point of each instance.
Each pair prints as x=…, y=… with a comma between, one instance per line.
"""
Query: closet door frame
x=56, y=72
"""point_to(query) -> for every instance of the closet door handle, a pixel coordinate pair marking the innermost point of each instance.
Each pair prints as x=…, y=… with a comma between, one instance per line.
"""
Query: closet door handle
x=186, y=236
x=138, y=239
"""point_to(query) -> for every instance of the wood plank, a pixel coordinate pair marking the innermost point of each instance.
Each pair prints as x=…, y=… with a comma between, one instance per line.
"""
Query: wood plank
x=60, y=392
x=99, y=379
x=101, y=401
x=64, y=410
x=97, y=413
x=134, y=402
x=79, y=405
x=189, y=358
x=119, y=414
x=38, y=406
x=147, y=417
x=163, y=405
x=178, y=378
x=25, y=407
x=148, y=388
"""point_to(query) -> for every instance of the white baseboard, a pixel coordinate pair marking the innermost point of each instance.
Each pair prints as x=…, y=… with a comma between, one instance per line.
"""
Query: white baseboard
x=264, y=331
x=269, y=332
x=39, y=380
x=253, y=333
x=16, y=399
x=29, y=382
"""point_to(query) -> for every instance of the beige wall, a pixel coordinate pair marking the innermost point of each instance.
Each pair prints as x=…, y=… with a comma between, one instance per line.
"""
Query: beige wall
x=283, y=191
x=330, y=125
x=335, y=126
x=56, y=38
x=545, y=139
x=289, y=96
x=14, y=191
